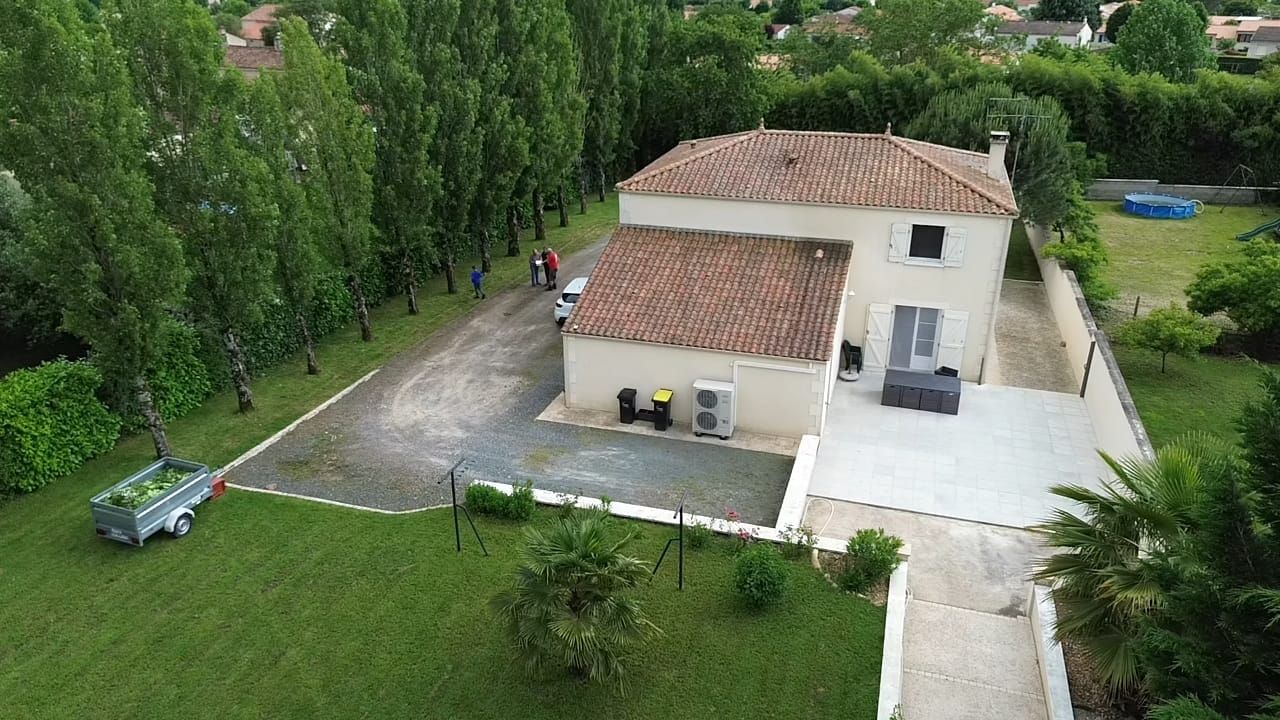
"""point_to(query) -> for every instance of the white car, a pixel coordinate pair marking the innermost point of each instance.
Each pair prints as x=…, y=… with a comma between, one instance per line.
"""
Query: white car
x=565, y=303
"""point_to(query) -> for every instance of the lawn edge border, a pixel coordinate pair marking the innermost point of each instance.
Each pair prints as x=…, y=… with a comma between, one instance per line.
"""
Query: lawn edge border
x=895, y=620
x=1053, y=665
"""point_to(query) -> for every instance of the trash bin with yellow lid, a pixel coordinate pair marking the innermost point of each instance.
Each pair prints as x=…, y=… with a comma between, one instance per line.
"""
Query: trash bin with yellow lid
x=662, y=409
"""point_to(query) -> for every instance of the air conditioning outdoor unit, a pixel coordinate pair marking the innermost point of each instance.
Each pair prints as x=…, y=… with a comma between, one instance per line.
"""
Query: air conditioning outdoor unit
x=713, y=408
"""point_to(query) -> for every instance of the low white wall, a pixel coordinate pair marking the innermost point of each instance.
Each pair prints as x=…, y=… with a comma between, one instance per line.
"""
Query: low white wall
x=791, y=514
x=785, y=399
x=1117, y=188
x=1053, y=666
x=1115, y=419
x=895, y=620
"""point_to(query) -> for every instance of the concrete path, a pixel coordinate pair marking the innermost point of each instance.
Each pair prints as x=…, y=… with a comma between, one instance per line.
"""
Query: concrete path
x=1028, y=342
x=968, y=651
x=474, y=391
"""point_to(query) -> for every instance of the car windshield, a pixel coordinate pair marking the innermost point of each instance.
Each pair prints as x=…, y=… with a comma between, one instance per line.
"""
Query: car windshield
x=570, y=298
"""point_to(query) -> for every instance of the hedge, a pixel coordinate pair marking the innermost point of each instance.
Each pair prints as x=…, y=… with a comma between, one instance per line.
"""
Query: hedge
x=51, y=422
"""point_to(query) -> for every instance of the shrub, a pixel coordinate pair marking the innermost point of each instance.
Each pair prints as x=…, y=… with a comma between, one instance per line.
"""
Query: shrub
x=1246, y=289
x=797, y=541
x=760, y=575
x=1167, y=330
x=179, y=379
x=485, y=500
x=699, y=535
x=51, y=421
x=871, y=557
x=567, y=605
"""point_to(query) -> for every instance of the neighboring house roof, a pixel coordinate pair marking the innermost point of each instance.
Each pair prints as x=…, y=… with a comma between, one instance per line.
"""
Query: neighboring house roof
x=1227, y=27
x=1267, y=33
x=1051, y=28
x=868, y=170
x=1005, y=13
x=736, y=293
x=841, y=21
x=255, y=58
x=259, y=19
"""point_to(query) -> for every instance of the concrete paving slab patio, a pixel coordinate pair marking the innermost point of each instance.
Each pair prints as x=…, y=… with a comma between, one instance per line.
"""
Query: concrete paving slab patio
x=473, y=391
x=992, y=463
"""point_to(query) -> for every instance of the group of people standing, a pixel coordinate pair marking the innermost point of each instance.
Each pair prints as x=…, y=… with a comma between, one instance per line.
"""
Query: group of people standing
x=546, y=263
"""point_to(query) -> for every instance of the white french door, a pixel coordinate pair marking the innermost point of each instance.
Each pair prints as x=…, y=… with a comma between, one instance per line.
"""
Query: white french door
x=924, y=348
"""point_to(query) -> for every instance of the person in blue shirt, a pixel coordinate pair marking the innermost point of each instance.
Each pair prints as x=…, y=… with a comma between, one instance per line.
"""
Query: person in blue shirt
x=477, y=282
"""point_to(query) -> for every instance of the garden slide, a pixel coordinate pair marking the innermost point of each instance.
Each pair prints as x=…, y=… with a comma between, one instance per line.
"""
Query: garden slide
x=1273, y=226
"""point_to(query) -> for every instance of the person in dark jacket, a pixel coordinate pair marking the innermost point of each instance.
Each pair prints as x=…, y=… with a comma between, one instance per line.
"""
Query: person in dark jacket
x=477, y=282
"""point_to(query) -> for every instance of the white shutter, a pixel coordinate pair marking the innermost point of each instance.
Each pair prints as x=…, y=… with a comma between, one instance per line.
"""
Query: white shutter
x=955, y=325
x=875, y=351
x=953, y=247
x=899, y=242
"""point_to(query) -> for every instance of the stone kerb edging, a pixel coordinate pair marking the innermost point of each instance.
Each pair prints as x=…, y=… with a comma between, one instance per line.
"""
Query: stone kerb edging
x=895, y=620
x=791, y=514
x=1053, y=666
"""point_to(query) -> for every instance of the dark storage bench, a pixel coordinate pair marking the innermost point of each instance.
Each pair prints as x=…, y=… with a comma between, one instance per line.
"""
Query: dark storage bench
x=921, y=391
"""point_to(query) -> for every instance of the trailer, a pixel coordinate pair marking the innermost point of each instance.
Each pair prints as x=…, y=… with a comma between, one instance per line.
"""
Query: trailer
x=171, y=510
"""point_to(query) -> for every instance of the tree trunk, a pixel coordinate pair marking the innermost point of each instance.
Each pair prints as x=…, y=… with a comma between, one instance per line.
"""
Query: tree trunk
x=308, y=342
x=449, y=279
x=562, y=204
x=601, y=183
x=362, y=308
x=1163, y=358
x=410, y=284
x=513, y=231
x=486, y=258
x=539, y=217
x=239, y=370
x=582, y=191
x=155, y=423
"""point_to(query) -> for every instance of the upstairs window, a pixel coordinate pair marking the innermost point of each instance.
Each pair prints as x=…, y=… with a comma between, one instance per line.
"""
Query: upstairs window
x=926, y=242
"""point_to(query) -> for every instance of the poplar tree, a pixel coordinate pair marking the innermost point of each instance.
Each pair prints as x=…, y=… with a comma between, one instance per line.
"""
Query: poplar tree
x=295, y=240
x=211, y=187
x=457, y=147
x=335, y=144
x=598, y=35
x=72, y=135
x=373, y=38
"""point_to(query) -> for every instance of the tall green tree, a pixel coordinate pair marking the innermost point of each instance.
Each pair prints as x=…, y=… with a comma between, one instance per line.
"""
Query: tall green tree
x=296, y=240
x=1117, y=20
x=406, y=186
x=598, y=34
x=458, y=145
x=900, y=32
x=211, y=187
x=335, y=144
x=1070, y=10
x=536, y=38
x=1165, y=37
x=73, y=137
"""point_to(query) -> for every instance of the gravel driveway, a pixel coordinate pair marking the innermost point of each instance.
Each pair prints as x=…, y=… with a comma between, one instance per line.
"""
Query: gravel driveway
x=472, y=392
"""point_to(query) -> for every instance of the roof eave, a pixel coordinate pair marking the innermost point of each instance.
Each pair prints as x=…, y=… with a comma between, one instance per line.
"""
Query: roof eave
x=1004, y=211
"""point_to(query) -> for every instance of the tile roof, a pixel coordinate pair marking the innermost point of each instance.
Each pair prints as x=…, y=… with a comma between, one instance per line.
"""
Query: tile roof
x=1266, y=33
x=870, y=170
x=255, y=58
x=257, y=20
x=738, y=293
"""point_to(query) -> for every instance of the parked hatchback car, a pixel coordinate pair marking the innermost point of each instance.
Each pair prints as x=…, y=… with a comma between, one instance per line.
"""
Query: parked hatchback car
x=568, y=298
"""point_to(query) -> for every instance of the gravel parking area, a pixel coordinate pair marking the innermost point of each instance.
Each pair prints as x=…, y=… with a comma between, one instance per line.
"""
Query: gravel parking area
x=472, y=393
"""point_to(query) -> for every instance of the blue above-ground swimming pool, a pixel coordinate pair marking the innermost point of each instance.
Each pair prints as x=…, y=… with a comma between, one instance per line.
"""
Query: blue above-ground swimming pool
x=1161, y=206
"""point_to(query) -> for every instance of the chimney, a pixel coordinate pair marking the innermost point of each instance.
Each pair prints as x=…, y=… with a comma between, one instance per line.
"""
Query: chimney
x=995, y=157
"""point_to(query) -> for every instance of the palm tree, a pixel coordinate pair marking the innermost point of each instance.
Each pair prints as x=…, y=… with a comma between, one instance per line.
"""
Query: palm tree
x=566, y=607
x=1100, y=576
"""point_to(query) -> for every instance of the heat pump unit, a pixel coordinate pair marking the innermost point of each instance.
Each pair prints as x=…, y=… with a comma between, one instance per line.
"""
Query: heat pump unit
x=713, y=408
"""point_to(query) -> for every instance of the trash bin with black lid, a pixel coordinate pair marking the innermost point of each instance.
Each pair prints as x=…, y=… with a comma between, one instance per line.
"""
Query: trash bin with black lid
x=662, y=409
x=627, y=405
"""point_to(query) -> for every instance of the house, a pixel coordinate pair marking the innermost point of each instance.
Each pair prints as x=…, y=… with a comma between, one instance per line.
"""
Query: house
x=233, y=40
x=840, y=21
x=776, y=31
x=1032, y=32
x=1248, y=36
x=253, y=60
x=750, y=258
x=254, y=25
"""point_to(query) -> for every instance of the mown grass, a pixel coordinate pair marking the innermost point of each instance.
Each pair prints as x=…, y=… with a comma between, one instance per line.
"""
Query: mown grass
x=275, y=607
x=1020, y=262
x=1155, y=260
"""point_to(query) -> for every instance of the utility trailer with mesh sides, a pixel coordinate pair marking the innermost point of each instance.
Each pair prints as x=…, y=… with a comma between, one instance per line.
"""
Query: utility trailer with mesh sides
x=171, y=510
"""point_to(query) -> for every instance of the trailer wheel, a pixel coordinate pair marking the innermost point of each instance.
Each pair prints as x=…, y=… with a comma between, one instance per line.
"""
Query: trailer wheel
x=181, y=526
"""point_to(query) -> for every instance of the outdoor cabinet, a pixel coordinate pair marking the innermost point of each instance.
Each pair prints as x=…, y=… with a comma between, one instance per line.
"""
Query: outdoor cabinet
x=931, y=400
x=891, y=396
x=910, y=398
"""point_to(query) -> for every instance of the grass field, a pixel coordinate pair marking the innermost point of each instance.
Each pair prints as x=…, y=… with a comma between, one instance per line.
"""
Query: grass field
x=1020, y=263
x=1155, y=260
x=282, y=608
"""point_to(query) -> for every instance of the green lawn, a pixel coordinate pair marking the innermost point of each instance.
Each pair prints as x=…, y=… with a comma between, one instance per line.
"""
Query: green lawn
x=283, y=608
x=1155, y=260
x=1020, y=263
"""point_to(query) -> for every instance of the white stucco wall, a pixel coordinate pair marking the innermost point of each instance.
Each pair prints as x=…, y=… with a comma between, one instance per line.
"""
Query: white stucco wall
x=787, y=402
x=974, y=287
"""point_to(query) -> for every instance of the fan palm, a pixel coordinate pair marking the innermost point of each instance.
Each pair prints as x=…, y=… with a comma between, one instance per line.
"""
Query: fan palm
x=566, y=606
x=1100, y=578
